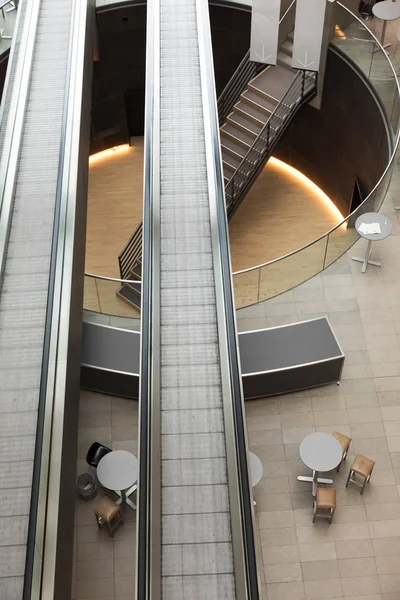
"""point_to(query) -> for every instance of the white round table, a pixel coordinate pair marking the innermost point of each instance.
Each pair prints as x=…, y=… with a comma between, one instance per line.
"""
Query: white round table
x=118, y=471
x=387, y=11
x=320, y=452
x=385, y=227
x=256, y=469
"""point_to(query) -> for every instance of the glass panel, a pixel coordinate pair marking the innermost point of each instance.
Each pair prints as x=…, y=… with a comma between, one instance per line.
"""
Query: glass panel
x=101, y=296
x=246, y=287
x=90, y=298
x=380, y=193
x=285, y=274
x=341, y=239
x=354, y=38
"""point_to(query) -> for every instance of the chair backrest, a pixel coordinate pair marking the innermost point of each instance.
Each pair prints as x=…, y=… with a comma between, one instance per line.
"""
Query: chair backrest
x=96, y=453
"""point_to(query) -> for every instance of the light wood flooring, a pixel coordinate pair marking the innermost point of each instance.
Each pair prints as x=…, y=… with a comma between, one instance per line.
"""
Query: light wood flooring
x=280, y=214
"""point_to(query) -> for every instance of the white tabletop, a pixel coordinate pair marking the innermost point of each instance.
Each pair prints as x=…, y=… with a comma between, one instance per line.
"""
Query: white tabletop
x=321, y=452
x=387, y=11
x=118, y=470
x=372, y=217
x=256, y=469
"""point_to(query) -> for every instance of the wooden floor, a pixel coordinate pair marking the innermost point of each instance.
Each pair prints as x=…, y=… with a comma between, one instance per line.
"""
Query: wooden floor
x=280, y=214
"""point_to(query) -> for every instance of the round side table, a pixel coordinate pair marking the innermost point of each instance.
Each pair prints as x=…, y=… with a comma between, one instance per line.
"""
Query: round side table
x=386, y=228
x=118, y=471
x=386, y=11
x=320, y=452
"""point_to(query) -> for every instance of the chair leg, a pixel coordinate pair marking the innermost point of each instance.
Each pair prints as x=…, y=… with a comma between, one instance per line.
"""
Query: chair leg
x=363, y=486
x=315, y=511
x=331, y=515
x=348, y=478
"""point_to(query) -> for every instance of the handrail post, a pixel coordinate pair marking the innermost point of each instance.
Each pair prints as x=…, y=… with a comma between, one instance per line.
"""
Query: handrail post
x=303, y=83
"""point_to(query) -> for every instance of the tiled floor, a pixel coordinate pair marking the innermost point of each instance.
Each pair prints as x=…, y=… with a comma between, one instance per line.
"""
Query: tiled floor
x=104, y=568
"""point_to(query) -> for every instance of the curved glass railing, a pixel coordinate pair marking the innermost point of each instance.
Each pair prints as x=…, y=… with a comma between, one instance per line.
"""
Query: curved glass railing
x=100, y=296
x=261, y=282
x=264, y=281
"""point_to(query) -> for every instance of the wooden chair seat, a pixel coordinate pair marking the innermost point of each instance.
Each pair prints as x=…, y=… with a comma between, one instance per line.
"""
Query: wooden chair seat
x=326, y=498
x=345, y=442
x=108, y=515
x=325, y=503
x=362, y=466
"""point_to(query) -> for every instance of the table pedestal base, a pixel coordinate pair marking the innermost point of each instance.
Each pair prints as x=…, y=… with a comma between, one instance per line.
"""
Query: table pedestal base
x=314, y=480
x=124, y=497
x=366, y=261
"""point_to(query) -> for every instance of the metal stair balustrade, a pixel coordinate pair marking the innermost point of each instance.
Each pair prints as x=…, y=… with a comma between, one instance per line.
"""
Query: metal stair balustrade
x=301, y=90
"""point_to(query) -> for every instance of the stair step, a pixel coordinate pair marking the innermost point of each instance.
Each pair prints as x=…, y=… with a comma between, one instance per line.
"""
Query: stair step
x=137, y=269
x=254, y=87
x=251, y=113
x=284, y=59
x=231, y=147
x=259, y=102
x=291, y=36
x=244, y=123
x=287, y=48
x=135, y=276
x=130, y=296
x=274, y=82
x=228, y=172
x=135, y=285
x=232, y=162
x=228, y=130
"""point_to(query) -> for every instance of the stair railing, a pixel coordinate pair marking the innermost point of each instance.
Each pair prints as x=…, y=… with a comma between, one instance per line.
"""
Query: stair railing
x=131, y=252
x=245, y=72
x=302, y=87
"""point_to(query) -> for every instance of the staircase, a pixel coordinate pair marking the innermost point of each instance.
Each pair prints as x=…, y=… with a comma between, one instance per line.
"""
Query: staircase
x=252, y=122
x=250, y=115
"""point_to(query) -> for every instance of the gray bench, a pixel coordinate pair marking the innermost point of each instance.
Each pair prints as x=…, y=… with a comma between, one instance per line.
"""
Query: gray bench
x=274, y=361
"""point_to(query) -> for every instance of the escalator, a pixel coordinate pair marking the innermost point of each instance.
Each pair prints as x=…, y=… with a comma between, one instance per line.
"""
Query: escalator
x=44, y=137
x=195, y=529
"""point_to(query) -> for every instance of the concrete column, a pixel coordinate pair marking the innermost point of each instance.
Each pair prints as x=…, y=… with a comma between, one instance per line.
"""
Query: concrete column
x=328, y=33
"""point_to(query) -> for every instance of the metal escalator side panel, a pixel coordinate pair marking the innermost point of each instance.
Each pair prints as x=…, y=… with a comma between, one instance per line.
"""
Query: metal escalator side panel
x=148, y=556
x=40, y=178
x=11, y=69
x=52, y=511
x=190, y=558
x=13, y=116
x=241, y=498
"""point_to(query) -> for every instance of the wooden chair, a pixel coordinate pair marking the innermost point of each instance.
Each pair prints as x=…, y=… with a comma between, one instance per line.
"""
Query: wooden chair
x=361, y=466
x=108, y=515
x=345, y=442
x=325, y=503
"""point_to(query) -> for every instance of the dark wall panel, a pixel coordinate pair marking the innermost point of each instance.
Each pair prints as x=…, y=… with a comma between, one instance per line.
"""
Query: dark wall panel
x=346, y=138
